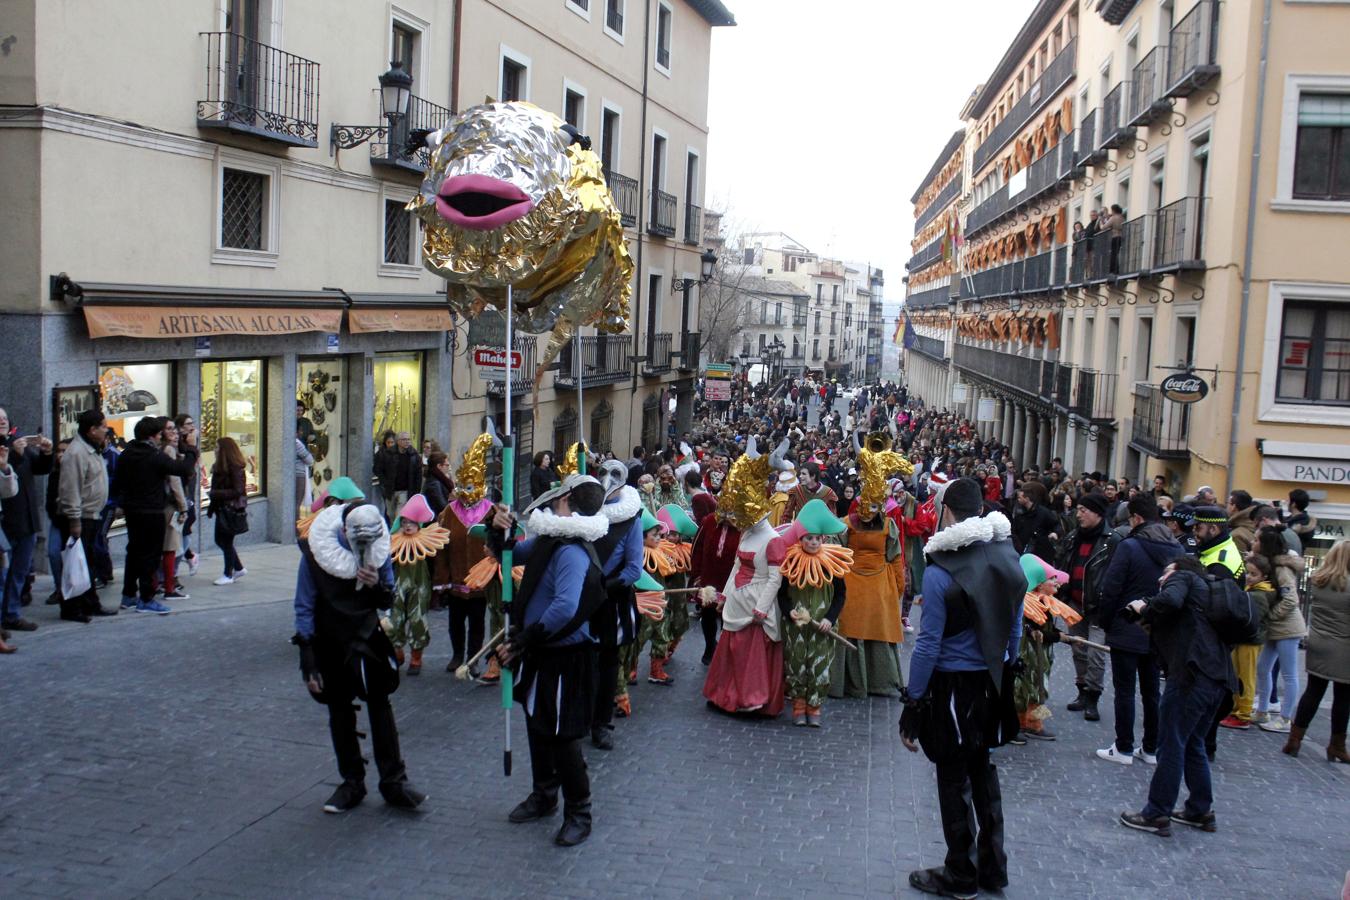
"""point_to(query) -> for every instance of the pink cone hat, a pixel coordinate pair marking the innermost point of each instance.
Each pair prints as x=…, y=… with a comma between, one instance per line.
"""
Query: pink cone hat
x=417, y=510
x=318, y=502
x=664, y=518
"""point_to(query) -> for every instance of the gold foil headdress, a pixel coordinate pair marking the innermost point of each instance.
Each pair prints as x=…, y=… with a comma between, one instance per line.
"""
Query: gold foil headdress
x=568, y=465
x=744, y=495
x=471, y=476
x=876, y=463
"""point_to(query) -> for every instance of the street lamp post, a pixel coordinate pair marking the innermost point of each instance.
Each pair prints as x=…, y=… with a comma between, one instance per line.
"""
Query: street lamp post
x=707, y=264
x=395, y=97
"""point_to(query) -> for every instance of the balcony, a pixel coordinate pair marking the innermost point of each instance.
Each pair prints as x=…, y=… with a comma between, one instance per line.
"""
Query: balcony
x=1116, y=130
x=990, y=210
x=691, y=348
x=614, y=17
x=693, y=224
x=927, y=256
x=1059, y=72
x=1147, y=103
x=1018, y=372
x=1094, y=396
x=1115, y=11
x=625, y=193
x=933, y=348
x=604, y=360
x=1178, y=236
x=1061, y=393
x=1161, y=426
x=422, y=114
x=258, y=90
x=658, y=353
x=523, y=381
x=1089, y=150
x=944, y=199
x=1190, y=50
x=933, y=298
x=662, y=221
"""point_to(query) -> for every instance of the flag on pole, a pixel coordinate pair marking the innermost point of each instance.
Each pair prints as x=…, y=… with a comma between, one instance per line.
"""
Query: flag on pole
x=899, y=329
x=910, y=335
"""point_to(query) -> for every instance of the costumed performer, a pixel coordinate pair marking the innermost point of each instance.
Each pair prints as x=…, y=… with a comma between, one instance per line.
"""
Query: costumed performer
x=679, y=531
x=1031, y=687
x=787, y=481
x=615, y=625
x=658, y=566
x=345, y=576
x=810, y=599
x=341, y=490
x=746, y=674
x=550, y=648
x=711, y=560
x=414, y=541
x=467, y=595
x=959, y=702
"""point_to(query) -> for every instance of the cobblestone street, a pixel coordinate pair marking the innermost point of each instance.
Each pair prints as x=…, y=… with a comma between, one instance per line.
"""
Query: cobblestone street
x=179, y=757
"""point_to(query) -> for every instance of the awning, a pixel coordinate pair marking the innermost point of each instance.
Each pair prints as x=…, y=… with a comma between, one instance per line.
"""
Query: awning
x=1305, y=463
x=406, y=319
x=202, y=321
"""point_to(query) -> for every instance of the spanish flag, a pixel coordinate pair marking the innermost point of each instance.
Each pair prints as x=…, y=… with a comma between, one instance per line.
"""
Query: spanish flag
x=899, y=329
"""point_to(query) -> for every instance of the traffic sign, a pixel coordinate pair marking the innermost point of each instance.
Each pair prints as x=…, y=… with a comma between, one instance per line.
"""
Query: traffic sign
x=491, y=363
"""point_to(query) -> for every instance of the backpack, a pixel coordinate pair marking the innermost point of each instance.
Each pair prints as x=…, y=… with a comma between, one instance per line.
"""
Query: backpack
x=1230, y=612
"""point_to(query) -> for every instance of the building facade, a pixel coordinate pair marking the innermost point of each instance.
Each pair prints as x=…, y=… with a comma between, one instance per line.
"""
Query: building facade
x=200, y=224
x=1209, y=268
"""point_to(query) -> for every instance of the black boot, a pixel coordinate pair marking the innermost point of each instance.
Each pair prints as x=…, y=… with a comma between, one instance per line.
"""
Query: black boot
x=348, y=795
x=1079, y=703
x=938, y=881
x=576, y=826
x=600, y=737
x=535, y=806
x=402, y=795
x=1090, y=707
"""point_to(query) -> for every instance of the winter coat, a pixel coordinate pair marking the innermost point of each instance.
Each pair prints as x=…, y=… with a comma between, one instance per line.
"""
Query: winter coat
x=1134, y=571
x=1183, y=637
x=1285, y=619
x=1242, y=529
x=84, y=481
x=1329, y=634
x=228, y=489
x=437, y=491
x=1263, y=599
x=392, y=462
x=1031, y=530
x=177, y=502
x=139, y=480
x=21, y=513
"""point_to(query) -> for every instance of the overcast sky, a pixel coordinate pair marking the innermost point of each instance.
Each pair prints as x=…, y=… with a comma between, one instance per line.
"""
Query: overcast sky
x=824, y=117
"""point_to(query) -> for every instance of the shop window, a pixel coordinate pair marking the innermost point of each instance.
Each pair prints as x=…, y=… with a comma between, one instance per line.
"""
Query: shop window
x=398, y=395
x=564, y=431
x=1315, y=354
x=130, y=391
x=602, y=428
x=321, y=398
x=233, y=406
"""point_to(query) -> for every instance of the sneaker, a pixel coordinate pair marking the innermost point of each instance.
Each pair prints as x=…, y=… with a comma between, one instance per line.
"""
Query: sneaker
x=1111, y=754
x=1235, y=723
x=1142, y=756
x=1259, y=716
x=192, y=564
x=240, y=573
x=1161, y=827
x=1277, y=724
x=130, y=602
x=153, y=606
x=176, y=595
x=1019, y=739
x=223, y=580
x=348, y=796
x=1204, y=822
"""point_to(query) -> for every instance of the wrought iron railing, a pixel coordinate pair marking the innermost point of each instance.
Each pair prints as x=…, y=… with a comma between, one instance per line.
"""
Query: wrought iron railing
x=259, y=90
x=523, y=379
x=614, y=17
x=387, y=151
x=940, y=202
x=691, y=348
x=658, y=353
x=989, y=210
x=926, y=256
x=1147, y=104
x=1063, y=379
x=936, y=297
x=1067, y=152
x=934, y=348
x=1178, y=235
x=1115, y=127
x=1057, y=73
x=1089, y=150
x=1161, y=426
x=604, y=360
x=625, y=193
x=662, y=221
x=693, y=224
x=1020, y=372
x=1191, y=60
x=1130, y=255
x=1094, y=395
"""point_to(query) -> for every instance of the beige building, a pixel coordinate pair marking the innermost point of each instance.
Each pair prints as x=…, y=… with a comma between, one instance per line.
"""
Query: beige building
x=199, y=223
x=1210, y=270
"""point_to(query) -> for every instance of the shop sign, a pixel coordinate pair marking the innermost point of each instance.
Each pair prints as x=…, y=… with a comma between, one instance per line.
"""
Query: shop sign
x=1305, y=471
x=201, y=346
x=491, y=363
x=190, y=322
x=985, y=410
x=370, y=320
x=1331, y=530
x=958, y=393
x=1184, y=387
x=332, y=346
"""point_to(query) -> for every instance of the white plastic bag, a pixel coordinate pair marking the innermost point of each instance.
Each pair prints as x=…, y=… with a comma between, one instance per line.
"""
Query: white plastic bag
x=74, y=570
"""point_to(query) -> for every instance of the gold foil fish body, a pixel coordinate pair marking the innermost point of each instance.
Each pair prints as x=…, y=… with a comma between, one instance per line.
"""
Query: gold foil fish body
x=471, y=476
x=877, y=462
x=511, y=199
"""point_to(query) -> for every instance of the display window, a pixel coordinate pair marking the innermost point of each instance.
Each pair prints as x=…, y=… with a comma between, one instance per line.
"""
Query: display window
x=321, y=401
x=399, y=400
x=131, y=391
x=233, y=405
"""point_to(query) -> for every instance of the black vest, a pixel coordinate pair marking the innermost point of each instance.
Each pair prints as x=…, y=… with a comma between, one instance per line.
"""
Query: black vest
x=341, y=612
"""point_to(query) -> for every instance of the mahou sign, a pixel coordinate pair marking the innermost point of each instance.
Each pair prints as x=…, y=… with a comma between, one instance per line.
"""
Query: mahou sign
x=491, y=362
x=1184, y=387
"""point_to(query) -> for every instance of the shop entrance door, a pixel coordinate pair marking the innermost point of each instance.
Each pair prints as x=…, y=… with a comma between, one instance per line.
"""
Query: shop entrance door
x=320, y=420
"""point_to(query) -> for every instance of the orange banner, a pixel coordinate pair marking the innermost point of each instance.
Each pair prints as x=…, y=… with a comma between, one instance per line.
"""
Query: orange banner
x=363, y=320
x=184, y=322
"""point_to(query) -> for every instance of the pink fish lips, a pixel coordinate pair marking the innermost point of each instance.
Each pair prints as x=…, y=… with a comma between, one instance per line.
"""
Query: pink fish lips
x=481, y=202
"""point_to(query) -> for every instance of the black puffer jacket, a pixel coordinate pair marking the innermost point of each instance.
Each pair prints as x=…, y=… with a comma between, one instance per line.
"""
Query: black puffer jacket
x=1185, y=642
x=138, y=483
x=20, y=514
x=1031, y=530
x=1135, y=568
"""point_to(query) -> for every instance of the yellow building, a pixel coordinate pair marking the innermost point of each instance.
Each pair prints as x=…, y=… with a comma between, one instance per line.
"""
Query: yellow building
x=1209, y=270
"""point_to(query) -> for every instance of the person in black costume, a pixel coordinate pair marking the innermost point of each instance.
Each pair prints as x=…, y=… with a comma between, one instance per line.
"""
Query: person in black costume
x=345, y=576
x=615, y=624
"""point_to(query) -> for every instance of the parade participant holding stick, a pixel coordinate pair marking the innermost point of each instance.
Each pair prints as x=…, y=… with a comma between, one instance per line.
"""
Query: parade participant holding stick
x=550, y=647
x=678, y=528
x=711, y=560
x=615, y=625
x=466, y=597
x=346, y=575
x=413, y=543
x=959, y=703
x=810, y=598
x=1039, y=608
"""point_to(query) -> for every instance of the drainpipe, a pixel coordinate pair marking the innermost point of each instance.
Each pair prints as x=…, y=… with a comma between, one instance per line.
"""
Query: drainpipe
x=456, y=31
x=642, y=207
x=1250, y=246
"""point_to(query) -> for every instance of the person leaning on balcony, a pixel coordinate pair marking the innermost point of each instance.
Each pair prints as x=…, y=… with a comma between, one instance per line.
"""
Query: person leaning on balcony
x=1115, y=223
x=1090, y=234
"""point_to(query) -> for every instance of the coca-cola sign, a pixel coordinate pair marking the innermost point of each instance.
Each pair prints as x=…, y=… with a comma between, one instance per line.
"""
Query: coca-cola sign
x=1184, y=387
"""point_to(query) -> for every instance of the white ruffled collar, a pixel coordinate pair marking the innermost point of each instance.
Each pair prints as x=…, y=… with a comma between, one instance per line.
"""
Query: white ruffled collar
x=326, y=547
x=628, y=505
x=993, y=527
x=588, y=528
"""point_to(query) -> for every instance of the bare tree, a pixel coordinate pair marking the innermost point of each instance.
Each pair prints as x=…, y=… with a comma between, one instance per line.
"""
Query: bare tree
x=723, y=308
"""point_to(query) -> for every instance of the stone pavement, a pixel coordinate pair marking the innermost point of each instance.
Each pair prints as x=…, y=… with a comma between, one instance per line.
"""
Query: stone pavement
x=179, y=756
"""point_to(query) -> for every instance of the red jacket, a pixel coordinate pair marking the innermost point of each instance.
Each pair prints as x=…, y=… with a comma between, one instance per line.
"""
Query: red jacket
x=713, y=555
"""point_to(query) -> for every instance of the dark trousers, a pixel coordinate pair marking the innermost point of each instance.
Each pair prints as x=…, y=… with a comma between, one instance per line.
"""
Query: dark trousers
x=1312, y=699
x=969, y=796
x=145, y=544
x=606, y=678
x=87, y=603
x=225, y=541
x=383, y=740
x=466, y=615
x=557, y=763
x=1126, y=667
x=97, y=555
x=708, y=620
x=1185, y=716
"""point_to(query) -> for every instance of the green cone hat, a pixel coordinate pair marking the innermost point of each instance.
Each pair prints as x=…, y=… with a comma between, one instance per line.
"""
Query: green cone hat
x=683, y=524
x=649, y=521
x=816, y=518
x=647, y=583
x=345, y=489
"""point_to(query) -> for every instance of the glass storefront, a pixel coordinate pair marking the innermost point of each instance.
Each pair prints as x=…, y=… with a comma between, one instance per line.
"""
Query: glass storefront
x=233, y=406
x=131, y=391
x=321, y=391
x=399, y=402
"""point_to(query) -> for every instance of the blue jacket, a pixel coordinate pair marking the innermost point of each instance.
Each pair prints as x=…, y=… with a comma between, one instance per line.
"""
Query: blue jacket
x=1135, y=568
x=959, y=652
x=557, y=597
x=625, y=560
